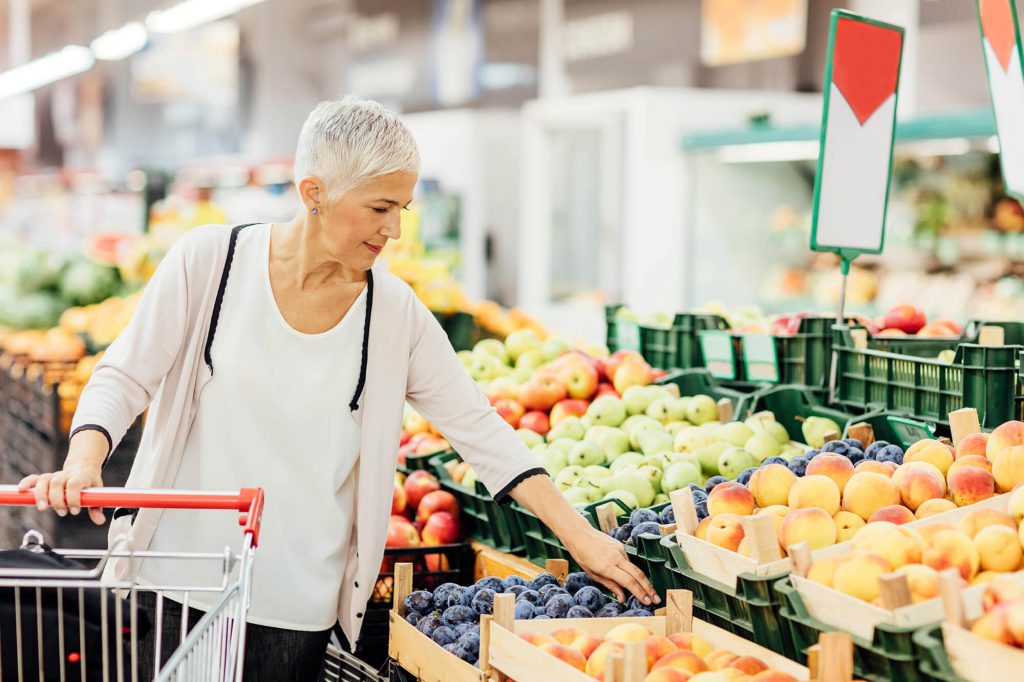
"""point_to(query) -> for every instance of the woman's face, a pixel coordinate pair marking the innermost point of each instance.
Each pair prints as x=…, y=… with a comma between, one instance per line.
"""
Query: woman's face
x=359, y=223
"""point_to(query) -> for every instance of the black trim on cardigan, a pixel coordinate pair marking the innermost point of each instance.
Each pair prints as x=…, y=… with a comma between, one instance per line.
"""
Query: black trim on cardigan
x=354, y=405
x=220, y=292
x=503, y=495
x=106, y=434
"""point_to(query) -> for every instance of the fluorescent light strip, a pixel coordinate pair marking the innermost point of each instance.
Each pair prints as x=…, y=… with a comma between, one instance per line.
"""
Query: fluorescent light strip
x=70, y=60
x=121, y=42
x=767, y=152
x=191, y=13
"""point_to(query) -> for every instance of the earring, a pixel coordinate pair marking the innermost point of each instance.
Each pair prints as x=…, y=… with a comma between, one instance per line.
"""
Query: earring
x=316, y=211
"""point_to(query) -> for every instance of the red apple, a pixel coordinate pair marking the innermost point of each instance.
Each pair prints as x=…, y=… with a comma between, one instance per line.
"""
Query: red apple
x=395, y=518
x=437, y=501
x=657, y=373
x=509, y=410
x=951, y=325
x=398, y=502
x=936, y=330
x=437, y=562
x=618, y=358
x=541, y=393
x=419, y=484
x=431, y=444
x=599, y=366
x=580, y=380
x=604, y=389
x=402, y=535
x=906, y=318
x=404, y=438
x=502, y=387
x=536, y=421
x=442, y=528
x=568, y=408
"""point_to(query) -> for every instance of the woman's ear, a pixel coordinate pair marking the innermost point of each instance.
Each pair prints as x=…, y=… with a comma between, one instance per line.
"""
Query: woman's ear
x=310, y=191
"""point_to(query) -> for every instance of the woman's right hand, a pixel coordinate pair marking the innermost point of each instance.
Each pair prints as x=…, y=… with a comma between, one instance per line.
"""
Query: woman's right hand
x=62, y=489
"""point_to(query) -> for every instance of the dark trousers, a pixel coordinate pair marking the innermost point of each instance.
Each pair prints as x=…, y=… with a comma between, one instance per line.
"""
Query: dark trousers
x=271, y=654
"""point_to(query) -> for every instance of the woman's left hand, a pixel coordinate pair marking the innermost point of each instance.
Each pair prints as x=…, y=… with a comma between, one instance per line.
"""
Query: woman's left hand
x=605, y=559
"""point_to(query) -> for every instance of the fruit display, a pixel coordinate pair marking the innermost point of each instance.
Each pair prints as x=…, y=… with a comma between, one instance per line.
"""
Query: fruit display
x=450, y=614
x=418, y=438
x=909, y=320
x=422, y=513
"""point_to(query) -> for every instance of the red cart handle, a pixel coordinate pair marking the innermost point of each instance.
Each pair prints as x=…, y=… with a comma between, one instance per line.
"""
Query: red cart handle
x=249, y=501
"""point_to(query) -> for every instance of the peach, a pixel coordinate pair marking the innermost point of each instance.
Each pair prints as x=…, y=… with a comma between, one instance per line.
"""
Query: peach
x=750, y=665
x=970, y=461
x=566, y=654
x=711, y=677
x=1015, y=505
x=1004, y=437
x=538, y=638
x=720, y=658
x=934, y=506
x=994, y=626
x=919, y=482
x=974, y=444
x=1008, y=467
x=567, y=636
x=928, y=531
x=596, y=663
x=586, y=644
x=968, y=485
x=773, y=676
x=627, y=632
x=823, y=570
x=779, y=510
x=896, y=544
x=857, y=574
x=809, y=524
x=935, y=453
x=894, y=513
x=656, y=647
x=952, y=549
x=1000, y=589
x=814, y=491
x=701, y=531
x=976, y=519
x=985, y=577
x=687, y=641
x=922, y=580
x=847, y=525
x=998, y=549
x=668, y=675
x=726, y=530
x=867, y=492
x=836, y=467
x=730, y=498
x=683, y=660
x=770, y=485
x=874, y=467
x=731, y=674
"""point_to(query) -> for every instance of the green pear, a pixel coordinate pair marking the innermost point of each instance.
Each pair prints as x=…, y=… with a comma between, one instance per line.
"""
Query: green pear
x=553, y=460
x=613, y=443
x=666, y=410
x=607, y=410
x=674, y=428
x=652, y=442
x=569, y=477
x=735, y=433
x=595, y=471
x=636, y=399
x=660, y=460
x=762, y=446
x=578, y=497
x=701, y=409
x=586, y=454
x=734, y=461
x=563, y=444
x=709, y=455
x=466, y=357
x=639, y=421
x=626, y=459
x=692, y=439
x=680, y=475
x=530, y=438
x=624, y=496
x=660, y=498
x=816, y=428
x=690, y=457
x=653, y=474
x=771, y=427
x=635, y=483
x=595, y=433
x=570, y=427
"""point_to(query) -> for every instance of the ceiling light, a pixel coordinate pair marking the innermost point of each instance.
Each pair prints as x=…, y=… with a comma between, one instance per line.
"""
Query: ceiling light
x=191, y=13
x=768, y=152
x=70, y=60
x=121, y=42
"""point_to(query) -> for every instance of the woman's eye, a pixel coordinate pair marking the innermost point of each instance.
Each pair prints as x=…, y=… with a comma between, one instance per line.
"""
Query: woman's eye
x=379, y=210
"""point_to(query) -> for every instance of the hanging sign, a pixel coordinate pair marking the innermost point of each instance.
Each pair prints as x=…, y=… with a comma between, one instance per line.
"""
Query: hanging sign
x=1000, y=41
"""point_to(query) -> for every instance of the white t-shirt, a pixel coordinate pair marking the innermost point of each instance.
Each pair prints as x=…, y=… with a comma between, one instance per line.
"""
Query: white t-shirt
x=274, y=415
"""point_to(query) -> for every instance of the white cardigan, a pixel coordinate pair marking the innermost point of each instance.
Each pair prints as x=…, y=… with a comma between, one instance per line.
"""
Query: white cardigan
x=160, y=360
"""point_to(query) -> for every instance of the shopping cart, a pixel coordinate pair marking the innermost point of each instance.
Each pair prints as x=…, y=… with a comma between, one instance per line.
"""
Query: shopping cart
x=103, y=645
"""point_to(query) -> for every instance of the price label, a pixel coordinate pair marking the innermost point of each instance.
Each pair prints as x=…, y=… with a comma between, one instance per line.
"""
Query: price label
x=761, y=358
x=719, y=354
x=627, y=335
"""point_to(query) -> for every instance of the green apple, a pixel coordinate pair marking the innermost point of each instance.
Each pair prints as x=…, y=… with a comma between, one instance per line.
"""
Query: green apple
x=734, y=461
x=466, y=357
x=577, y=497
x=816, y=428
x=691, y=439
x=585, y=454
x=653, y=474
x=652, y=442
x=637, y=399
x=530, y=438
x=563, y=444
x=570, y=427
x=680, y=475
x=569, y=477
x=624, y=496
x=709, y=455
x=554, y=347
x=519, y=341
x=762, y=446
x=531, y=359
x=675, y=427
x=625, y=460
x=596, y=471
x=735, y=433
x=701, y=409
x=607, y=411
x=635, y=483
x=485, y=367
x=492, y=347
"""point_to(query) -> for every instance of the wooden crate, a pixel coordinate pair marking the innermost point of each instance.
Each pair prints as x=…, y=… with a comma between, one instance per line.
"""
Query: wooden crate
x=509, y=656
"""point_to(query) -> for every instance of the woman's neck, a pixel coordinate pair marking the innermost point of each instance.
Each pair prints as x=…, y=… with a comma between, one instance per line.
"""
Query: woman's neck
x=297, y=248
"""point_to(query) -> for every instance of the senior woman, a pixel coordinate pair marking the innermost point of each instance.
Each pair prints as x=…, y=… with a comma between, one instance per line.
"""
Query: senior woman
x=280, y=356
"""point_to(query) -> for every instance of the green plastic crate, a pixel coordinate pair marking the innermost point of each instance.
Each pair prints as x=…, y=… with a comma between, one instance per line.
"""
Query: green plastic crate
x=1013, y=335
x=982, y=377
x=541, y=543
x=678, y=346
x=889, y=657
x=933, y=663
x=791, y=405
x=749, y=611
x=486, y=520
x=417, y=462
x=894, y=428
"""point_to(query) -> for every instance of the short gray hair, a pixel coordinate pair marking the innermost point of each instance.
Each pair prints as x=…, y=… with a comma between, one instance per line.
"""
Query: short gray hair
x=346, y=142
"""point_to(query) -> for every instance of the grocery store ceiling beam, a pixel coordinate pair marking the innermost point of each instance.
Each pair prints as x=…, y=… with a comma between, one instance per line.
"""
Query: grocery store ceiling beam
x=192, y=13
x=119, y=43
